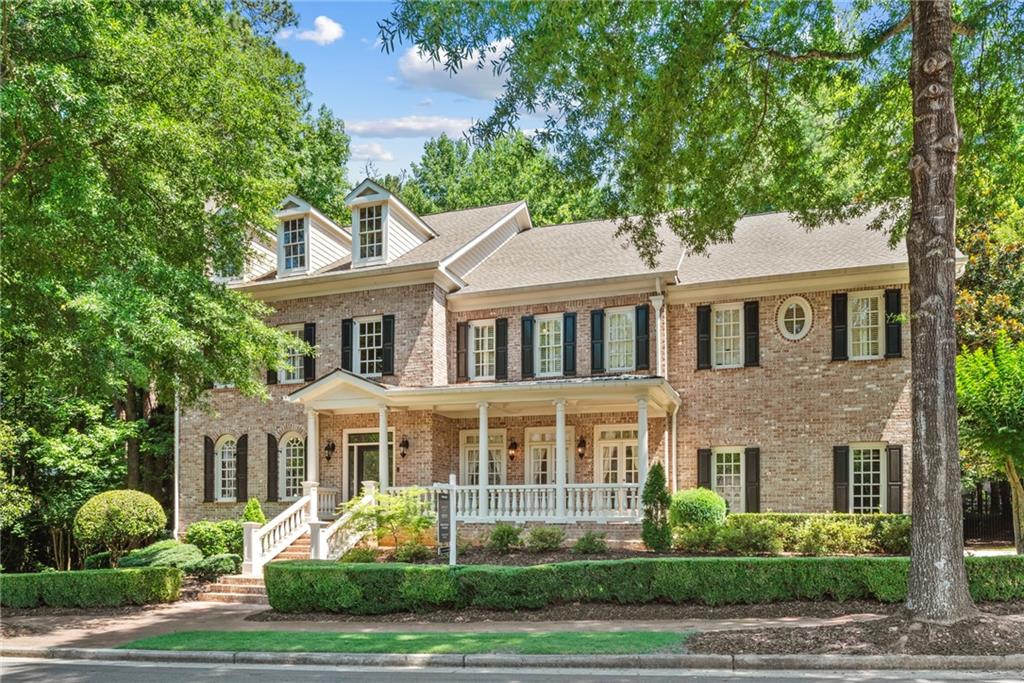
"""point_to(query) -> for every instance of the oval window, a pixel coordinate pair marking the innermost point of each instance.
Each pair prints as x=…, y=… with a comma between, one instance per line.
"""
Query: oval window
x=795, y=318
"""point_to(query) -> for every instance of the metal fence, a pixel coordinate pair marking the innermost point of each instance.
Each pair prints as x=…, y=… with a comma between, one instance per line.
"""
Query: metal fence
x=987, y=512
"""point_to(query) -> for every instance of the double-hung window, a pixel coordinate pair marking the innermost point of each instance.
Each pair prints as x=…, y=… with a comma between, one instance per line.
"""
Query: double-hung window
x=549, y=345
x=469, y=447
x=481, y=349
x=293, y=244
x=226, y=472
x=620, y=333
x=866, y=319
x=727, y=476
x=867, y=477
x=727, y=336
x=292, y=464
x=369, y=345
x=371, y=232
x=293, y=372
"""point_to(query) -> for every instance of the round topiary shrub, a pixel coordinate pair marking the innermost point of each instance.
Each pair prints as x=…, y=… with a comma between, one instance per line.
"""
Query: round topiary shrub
x=696, y=507
x=208, y=537
x=233, y=536
x=118, y=521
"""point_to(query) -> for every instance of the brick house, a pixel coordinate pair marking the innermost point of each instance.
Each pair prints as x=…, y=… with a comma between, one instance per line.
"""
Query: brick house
x=774, y=369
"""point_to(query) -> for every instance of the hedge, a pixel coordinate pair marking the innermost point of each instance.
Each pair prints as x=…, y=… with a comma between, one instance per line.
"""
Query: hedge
x=318, y=586
x=91, y=587
x=877, y=523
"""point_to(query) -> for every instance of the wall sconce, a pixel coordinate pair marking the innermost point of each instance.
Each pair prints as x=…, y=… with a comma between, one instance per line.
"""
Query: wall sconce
x=403, y=447
x=581, y=448
x=512, y=448
x=329, y=450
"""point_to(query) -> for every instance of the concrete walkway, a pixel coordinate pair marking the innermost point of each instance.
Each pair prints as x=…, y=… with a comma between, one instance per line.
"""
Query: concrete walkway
x=111, y=631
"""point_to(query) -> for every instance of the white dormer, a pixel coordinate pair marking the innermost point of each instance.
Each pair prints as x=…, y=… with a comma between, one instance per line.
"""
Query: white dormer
x=307, y=240
x=383, y=228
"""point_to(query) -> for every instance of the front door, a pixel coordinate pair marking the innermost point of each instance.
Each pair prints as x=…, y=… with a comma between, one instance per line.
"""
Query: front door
x=363, y=461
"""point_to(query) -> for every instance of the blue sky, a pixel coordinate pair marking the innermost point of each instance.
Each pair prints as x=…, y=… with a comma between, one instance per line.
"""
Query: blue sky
x=391, y=103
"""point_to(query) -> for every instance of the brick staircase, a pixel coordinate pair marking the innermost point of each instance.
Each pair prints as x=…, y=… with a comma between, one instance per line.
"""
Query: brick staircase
x=298, y=550
x=250, y=590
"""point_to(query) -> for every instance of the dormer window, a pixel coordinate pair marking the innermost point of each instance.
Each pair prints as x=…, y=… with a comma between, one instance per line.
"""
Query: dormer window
x=293, y=240
x=371, y=232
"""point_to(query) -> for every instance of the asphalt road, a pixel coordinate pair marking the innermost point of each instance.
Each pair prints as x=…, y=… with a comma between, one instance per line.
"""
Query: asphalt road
x=62, y=671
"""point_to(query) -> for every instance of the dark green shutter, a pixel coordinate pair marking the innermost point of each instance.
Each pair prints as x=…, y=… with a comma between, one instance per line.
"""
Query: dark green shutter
x=271, y=468
x=704, y=468
x=271, y=376
x=569, y=344
x=893, y=326
x=597, y=340
x=894, y=482
x=703, y=337
x=309, y=361
x=751, y=334
x=643, y=337
x=526, y=346
x=387, y=351
x=461, y=352
x=839, y=326
x=346, y=344
x=501, y=348
x=752, y=476
x=242, y=468
x=208, y=456
x=841, y=478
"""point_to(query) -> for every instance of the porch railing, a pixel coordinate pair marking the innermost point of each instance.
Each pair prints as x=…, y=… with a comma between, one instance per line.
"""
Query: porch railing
x=590, y=502
x=328, y=500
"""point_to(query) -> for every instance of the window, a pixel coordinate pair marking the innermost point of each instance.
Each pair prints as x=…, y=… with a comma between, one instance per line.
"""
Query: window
x=727, y=336
x=294, y=244
x=866, y=477
x=617, y=461
x=371, y=232
x=481, y=348
x=794, y=318
x=225, y=471
x=369, y=345
x=469, y=440
x=292, y=466
x=549, y=345
x=727, y=476
x=293, y=372
x=541, y=455
x=865, y=323
x=619, y=333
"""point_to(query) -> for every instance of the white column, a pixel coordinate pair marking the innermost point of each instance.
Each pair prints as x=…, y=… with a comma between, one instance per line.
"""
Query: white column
x=313, y=446
x=382, y=450
x=484, y=443
x=674, y=449
x=560, y=460
x=641, y=439
x=657, y=302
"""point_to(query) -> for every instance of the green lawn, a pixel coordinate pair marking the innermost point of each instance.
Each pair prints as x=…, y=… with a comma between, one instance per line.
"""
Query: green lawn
x=587, y=642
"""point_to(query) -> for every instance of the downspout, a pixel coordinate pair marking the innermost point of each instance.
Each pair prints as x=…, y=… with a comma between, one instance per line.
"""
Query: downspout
x=177, y=461
x=658, y=303
x=675, y=425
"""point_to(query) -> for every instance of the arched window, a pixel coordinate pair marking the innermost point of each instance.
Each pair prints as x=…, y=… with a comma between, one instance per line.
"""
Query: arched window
x=292, y=463
x=226, y=468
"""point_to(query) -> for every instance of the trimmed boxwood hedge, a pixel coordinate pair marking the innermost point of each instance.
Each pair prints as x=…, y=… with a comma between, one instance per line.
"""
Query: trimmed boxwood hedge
x=312, y=586
x=91, y=587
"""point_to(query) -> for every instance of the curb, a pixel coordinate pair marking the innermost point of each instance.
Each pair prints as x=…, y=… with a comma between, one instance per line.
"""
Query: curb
x=811, y=662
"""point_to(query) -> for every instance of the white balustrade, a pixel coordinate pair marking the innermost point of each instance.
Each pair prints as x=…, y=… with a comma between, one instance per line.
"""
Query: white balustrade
x=267, y=542
x=339, y=537
x=602, y=501
x=592, y=502
x=328, y=501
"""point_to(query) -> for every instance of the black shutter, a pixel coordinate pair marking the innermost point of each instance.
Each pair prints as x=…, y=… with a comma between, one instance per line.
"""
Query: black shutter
x=207, y=469
x=597, y=340
x=501, y=348
x=751, y=335
x=841, y=478
x=839, y=326
x=387, y=351
x=526, y=346
x=893, y=326
x=271, y=376
x=704, y=468
x=703, y=337
x=894, y=483
x=242, y=468
x=643, y=337
x=461, y=352
x=271, y=468
x=346, y=344
x=752, y=474
x=569, y=344
x=309, y=362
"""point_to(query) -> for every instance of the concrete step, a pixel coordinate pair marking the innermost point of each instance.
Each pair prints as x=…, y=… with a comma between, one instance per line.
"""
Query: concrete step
x=238, y=598
x=238, y=579
x=237, y=589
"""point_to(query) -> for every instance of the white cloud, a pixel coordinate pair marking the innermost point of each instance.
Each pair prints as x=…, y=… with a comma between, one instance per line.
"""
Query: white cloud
x=409, y=127
x=371, y=151
x=418, y=71
x=325, y=31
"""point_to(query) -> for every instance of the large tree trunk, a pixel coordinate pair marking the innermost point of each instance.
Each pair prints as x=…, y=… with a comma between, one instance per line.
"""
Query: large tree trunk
x=1016, y=505
x=131, y=414
x=937, y=590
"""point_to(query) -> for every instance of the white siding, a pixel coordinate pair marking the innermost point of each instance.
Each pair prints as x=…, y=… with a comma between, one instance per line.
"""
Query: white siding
x=324, y=247
x=262, y=259
x=400, y=239
x=487, y=246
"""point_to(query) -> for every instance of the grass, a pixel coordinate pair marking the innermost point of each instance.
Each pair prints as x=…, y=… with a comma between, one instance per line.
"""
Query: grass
x=552, y=643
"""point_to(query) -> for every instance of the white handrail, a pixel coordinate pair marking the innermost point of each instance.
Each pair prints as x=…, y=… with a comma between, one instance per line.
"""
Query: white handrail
x=337, y=539
x=539, y=502
x=262, y=544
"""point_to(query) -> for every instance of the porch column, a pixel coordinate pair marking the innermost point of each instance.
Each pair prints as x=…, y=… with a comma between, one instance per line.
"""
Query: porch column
x=657, y=303
x=560, y=463
x=382, y=449
x=313, y=445
x=482, y=471
x=641, y=439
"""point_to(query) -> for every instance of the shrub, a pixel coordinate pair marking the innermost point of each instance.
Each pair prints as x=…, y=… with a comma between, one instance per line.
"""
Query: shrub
x=359, y=554
x=875, y=523
x=91, y=588
x=233, y=533
x=210, y=568
x=254, y=512
x=412, y=551
x=163, y=554
x=823, y=536
x=697, y=539
x=752, y=535
x=97, y=561
x=208, y=537
x=504, y=537
x=118, y=521
x=399, y=515
x=590, y=543
x=892, y=536
x=655, y=530
x=696, y=506
x=542, y=539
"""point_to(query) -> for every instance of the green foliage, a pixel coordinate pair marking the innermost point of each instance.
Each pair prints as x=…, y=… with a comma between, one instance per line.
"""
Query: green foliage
x=169, y=553
x=990, y=395
x=233, y=535
x=208, y=537
x=895, y=528
x=311, y=586
x=91, y=588
x=656, y=532
x=400, y=515
x=97, y=561
x=118, y=521
x=892, y=536
x=359, y=554
x=321, y=172
x=590, y=543
x=504, y=537
x=412, y=551
x=542, y=539
x=254, y=512
x=752, y=535
x=209, y=568
x=696, y=507
x=823, y=536
x=696, y=539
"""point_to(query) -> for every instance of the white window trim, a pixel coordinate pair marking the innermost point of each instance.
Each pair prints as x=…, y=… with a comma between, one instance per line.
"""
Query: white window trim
x=282, y=464
x=281, y=374
x=356, y=351
x=715, y=452
x=464, y=457
x=877, y=294
x=570, y=452
x=808, y=315
x=536, y=343
x=217, y=474
x=384, y=219
x=346, y=473
x=471, y=349
x=631, y=311
x=598, y=471
x=282, y=271
x=883, y=484
x=737, y=306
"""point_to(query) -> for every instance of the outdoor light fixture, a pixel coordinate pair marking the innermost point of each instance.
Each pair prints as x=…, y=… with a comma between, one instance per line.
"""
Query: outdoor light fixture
x=581, y=447
x=329, y=450
x=512, y=447
x=403, y=446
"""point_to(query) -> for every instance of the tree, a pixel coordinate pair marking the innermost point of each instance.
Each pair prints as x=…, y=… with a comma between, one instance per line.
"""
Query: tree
x=705, y=111
x=321, y=176
x=440, y=169
x=990, y=388
x=657, y=532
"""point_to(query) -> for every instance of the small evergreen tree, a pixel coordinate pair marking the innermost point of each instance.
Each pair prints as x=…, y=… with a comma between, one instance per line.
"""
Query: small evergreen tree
x=656, y=533
x=254, y=512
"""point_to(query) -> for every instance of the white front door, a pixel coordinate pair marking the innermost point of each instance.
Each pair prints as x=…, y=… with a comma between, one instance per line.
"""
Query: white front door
x=617, y=463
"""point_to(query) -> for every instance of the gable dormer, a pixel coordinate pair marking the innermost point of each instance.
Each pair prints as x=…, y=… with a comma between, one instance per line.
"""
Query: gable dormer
x=307, y=240
x=383, y=228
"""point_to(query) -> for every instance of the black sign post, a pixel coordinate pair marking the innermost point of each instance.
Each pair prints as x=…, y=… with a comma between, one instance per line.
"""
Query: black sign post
x=446, y=538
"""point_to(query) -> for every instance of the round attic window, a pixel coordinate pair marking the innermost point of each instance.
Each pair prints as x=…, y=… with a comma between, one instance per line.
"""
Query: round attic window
x=794, y=318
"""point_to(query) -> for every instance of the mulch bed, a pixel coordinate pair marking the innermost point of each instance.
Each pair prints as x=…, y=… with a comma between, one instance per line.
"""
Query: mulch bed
x=524, y=558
